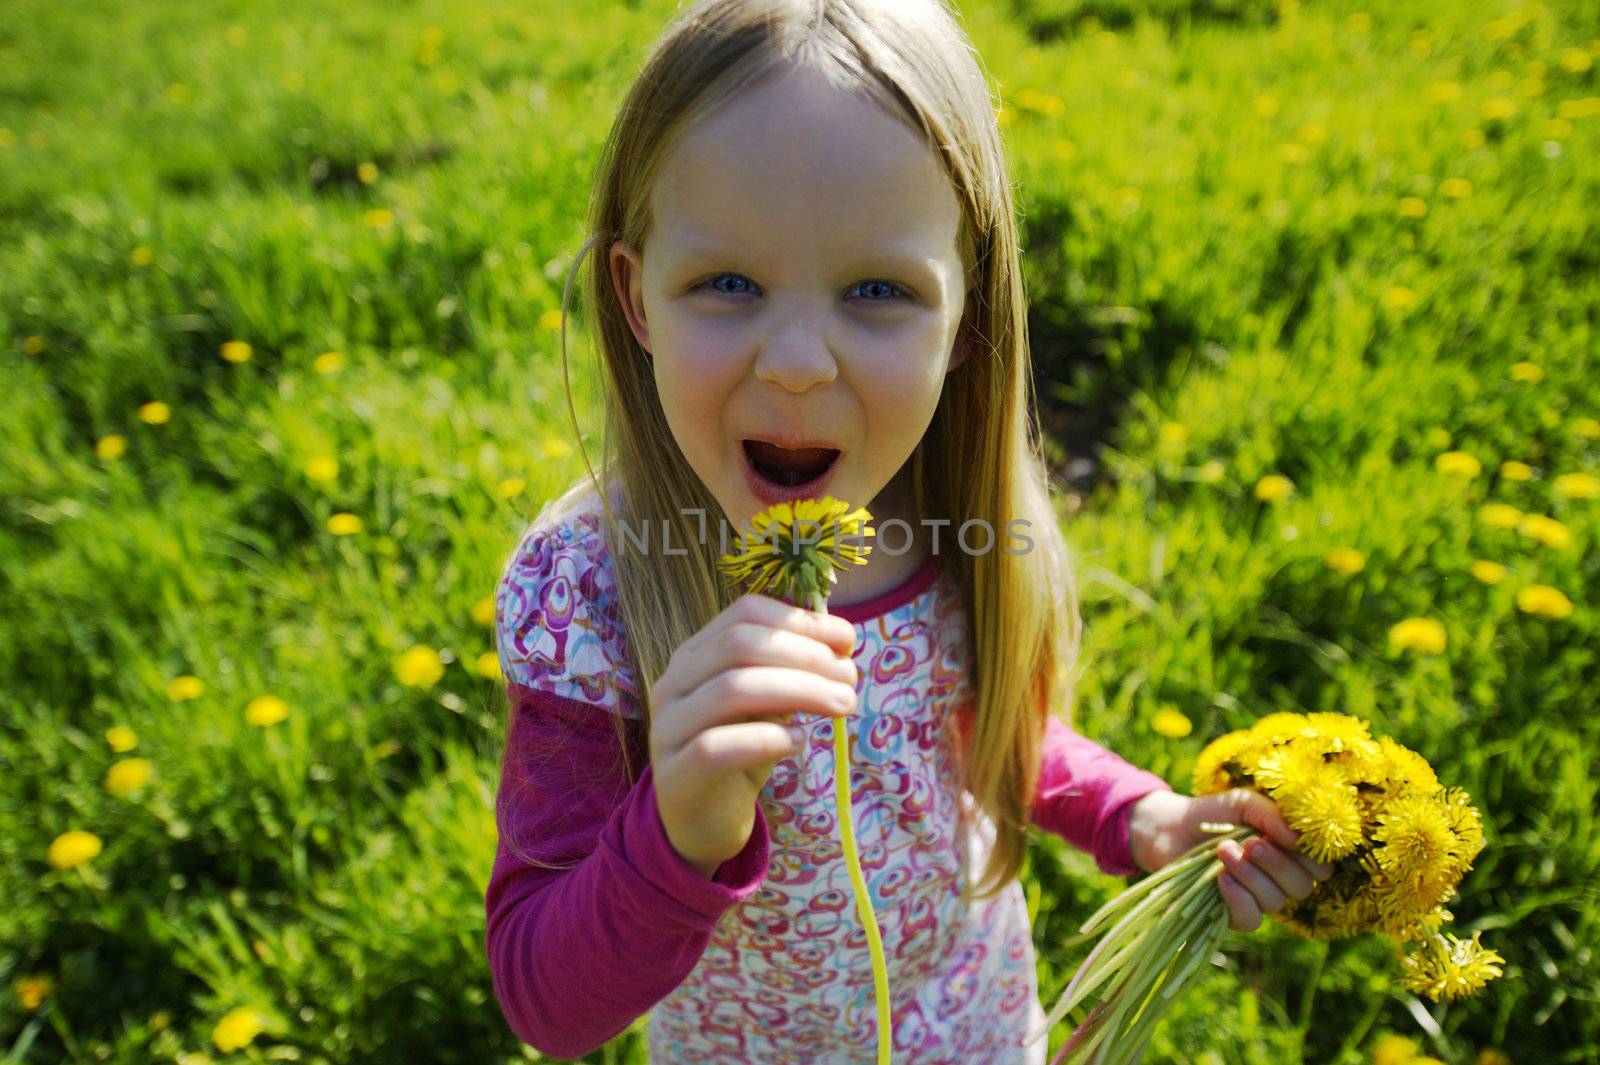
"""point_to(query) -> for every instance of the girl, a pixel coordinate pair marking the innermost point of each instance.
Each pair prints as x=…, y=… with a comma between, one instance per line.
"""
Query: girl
x=809, y=284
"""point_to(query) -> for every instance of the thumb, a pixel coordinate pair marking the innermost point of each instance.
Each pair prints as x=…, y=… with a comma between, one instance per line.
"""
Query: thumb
x=1246, y=807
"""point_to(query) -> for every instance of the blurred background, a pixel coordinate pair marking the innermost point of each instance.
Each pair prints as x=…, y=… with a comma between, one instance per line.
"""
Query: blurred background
x=1315, y=316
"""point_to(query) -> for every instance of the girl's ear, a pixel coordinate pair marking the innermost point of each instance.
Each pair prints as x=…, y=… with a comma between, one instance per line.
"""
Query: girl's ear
x=968, y=338
x=627, y=279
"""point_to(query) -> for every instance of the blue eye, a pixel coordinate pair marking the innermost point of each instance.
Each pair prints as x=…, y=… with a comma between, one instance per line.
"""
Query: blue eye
x=709, y=282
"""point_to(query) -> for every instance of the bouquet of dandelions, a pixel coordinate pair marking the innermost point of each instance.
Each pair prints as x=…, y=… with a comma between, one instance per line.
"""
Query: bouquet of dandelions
x=1398, y=840
x=791, y=554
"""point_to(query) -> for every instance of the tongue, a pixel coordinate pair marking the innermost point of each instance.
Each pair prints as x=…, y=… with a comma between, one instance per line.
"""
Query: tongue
x=809, y=461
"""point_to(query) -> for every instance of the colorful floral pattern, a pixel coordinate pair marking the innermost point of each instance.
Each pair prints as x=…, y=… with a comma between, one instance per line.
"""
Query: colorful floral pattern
x=787, y=975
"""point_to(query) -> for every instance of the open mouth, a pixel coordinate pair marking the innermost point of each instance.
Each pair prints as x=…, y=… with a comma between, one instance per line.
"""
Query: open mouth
x=784, y=468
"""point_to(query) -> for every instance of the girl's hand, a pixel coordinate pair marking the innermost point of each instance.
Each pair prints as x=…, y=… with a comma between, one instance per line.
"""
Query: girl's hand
x=721, y=712
x=1258, y=879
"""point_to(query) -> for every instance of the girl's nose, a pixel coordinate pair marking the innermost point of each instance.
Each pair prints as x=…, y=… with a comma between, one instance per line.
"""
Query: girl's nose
x=795, y=360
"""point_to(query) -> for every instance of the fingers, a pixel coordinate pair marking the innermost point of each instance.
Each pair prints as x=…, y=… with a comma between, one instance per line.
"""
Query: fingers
x=1292, y=878
x=739, y=746
x=758, y=630
x=742, y=695
x=1243, y=913
x=1263, y=893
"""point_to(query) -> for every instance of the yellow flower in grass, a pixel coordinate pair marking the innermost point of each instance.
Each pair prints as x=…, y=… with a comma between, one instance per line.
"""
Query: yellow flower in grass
x=266, y=710
x=1546, y=530
x=1393, y=1049
x=1345, y=560
x=1399, y=298
x=1443, y=92
x=1488, y=572
x=184, y=688
x=31, y=991
x=1500, y=515
x=379, y=218
x=488, y=665
x=419, y=667
x=1211, y=773
x=1273, y=488
x=237, y=1028
x=121, y=739
x=127, y=775
x=236, y=351
x=1526, y=371
x=1447, y=968
x=510, y=487
x=1457, y=463
x=1577, y=486
x=1456, y=188
x=1516, y=471
x=344, y=524
x=1422, y=635
x=1472, y=138
x=1413, y=207
x=329, y=362
x=141, y=256
x=483, y=611
x=1545, y=601
x=322, y=468
x=1438, y=437
x=72, y=848
x=1211, y=471
x=1171, y=723
x=155, y=413
x=110, y=447
x=1492, y=1056
x=1499, y=109
x=367, y=173
x=1588, y=428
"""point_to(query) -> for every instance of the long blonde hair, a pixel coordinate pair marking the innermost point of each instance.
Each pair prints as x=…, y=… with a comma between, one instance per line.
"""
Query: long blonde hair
x=980, y=457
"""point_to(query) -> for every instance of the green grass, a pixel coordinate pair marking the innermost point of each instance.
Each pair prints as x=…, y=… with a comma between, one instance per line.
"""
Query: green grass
x=1184, y=266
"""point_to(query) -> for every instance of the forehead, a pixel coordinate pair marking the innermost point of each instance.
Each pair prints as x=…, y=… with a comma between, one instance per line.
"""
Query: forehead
x=794, y=165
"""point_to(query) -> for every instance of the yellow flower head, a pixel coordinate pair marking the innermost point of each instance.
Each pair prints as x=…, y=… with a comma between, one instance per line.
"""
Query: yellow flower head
x=1588, y=428
x=419, y=667
x=794, y=548
x=31, y=991
x=329, y=362
x=1516, y=471
x=72, y=848
x=1422, y=635
x=1443, y=92
x=1492, y=1056
x=237, y=1028
x=488, y=665
x=1210, y=471
x=1394, y=1049
x=1488, y=572
x=483, y=611
x=1447, y=968
x=1211, y=772
x=121, y=738
x=1456, y=188
x=379, y=218
x=367, y=173
x=265, y=710
x=322, y=468
x=1500, y=515
x=1577, y=486
x=344, y=524
x=1526, y=371
x=1399, y=298
x=236, y=351
x=127, y=775
x=141, y=256
x=1546, y=530
x=1273, y=488
x=1543, y=600
x=510, y=487
x=1412, y=838
x=1457, y=462
x=1171, y=723
x=110, y=447
x=1345, y=560
x=1405, y=772
x=184, y=688
x=1413, y=207
x=155, y=413
x=1323, y=809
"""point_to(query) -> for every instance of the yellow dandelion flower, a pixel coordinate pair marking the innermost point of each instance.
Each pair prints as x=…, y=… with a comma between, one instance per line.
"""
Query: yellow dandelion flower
x=237, y=1028
x=1544, y=601
x=329, y=362
x=1284, y=767
x=1413, y=207
x=1576, y=60
x=1322, y=808
x=1472, y=138
x=33, y=345
x=1488, y=572
x=1211, y=769
x=127, y=775
x=141, y=256
x=1499, y=109
x=1457, y=463
x=550, y=320
x=31, y=991
x=1588, y=428
x=1399, y=298
x=1577, y=486
x=1500, y=515
x=110, y=447
x=419, y=667
x=184, y=688
x=322, y=468
x=1174, y=432
x=1447, y=968
x=72, y=848
x=483, y=611
x=1558, y=129
x=1273, y=487
x=1345, y=560
x=488, y=665
x=344, y=524
x=265, y=710
x=1393, y=1049
x=155, y=413
x=236, y=351
x=510, y=487
x=1211, y=471
x=1331, y=733
x=121, y=739
x=1312, y=133
x=1443, y=92
x=1438, y=437
x=1527, y=371
x=1456, y=188
x=1546, y=530
x=793, y=549
x=1516, y=471
x=1414, y=837
x=1293, y=153
x=1492, y=1056
x=367, y=173
x=1264, y=106
x=1405, y=772
x=555, y=447
x=1171, y=723
x=379, y=218
x=1422, y=635
x=1279, y=726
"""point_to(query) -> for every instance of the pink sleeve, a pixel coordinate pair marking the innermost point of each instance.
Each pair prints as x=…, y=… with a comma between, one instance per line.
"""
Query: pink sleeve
x=577, y=955
x=1086, y=794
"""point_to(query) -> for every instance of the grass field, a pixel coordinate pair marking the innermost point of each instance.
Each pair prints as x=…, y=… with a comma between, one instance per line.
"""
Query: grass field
x=279, y=289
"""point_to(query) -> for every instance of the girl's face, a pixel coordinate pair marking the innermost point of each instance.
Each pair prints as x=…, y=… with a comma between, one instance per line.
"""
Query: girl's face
x=801, y=283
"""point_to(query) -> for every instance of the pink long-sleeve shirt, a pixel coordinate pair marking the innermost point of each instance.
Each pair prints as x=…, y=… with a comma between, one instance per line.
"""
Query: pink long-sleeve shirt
x=766, y=960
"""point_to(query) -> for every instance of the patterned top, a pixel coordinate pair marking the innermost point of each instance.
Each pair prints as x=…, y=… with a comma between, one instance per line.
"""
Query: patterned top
x=767, y=960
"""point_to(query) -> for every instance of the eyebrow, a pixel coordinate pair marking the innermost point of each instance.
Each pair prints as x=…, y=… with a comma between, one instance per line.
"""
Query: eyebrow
x=897, y=259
